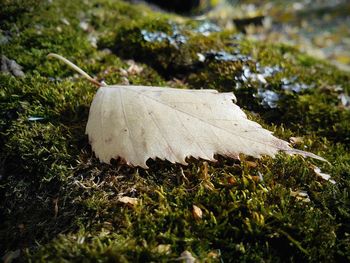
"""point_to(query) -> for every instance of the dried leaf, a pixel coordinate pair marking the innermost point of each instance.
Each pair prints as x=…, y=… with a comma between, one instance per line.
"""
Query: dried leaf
x=324, y=176
x=251, y=164
x=300, y=195
x=204, y=175
x=296, y=140
x=134, y=69
x=130, y=201
x=213, y=255
x=345, y=100
x=136, y=123
x=197, y=212
x=256, y=178
x=186, y=257
x=163, y=249
x=231, y=180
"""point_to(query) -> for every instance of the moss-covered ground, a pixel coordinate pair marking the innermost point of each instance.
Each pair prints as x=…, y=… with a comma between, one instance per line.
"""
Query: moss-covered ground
x=58, y=203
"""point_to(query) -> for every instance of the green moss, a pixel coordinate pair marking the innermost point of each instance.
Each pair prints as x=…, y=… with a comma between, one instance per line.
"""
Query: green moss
x=59, y=203
x=311, y=110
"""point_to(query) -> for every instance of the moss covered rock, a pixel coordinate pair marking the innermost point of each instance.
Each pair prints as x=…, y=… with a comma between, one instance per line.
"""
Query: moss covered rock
x=59, y=203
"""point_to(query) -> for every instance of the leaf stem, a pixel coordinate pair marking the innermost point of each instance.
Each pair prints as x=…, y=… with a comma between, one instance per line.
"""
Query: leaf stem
x=77, y=69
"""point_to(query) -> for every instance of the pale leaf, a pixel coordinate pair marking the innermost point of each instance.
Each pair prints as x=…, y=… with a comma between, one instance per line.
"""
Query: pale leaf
x=300, y=195
x=187, y=257
x=162, y=249
x=324, y=176
x=136, y=123
x=128, y=200
x=197, y=212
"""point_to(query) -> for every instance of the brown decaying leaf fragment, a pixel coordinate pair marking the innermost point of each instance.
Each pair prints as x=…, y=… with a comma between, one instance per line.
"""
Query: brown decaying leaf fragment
x=136, y=123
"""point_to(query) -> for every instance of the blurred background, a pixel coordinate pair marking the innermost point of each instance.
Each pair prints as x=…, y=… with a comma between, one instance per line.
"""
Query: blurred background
x=320, y=28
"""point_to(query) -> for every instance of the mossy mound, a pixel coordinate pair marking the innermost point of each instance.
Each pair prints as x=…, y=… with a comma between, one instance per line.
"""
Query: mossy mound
x=59, y=203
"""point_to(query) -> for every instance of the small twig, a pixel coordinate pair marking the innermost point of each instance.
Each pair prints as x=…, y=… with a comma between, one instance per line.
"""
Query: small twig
x=77, y=69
